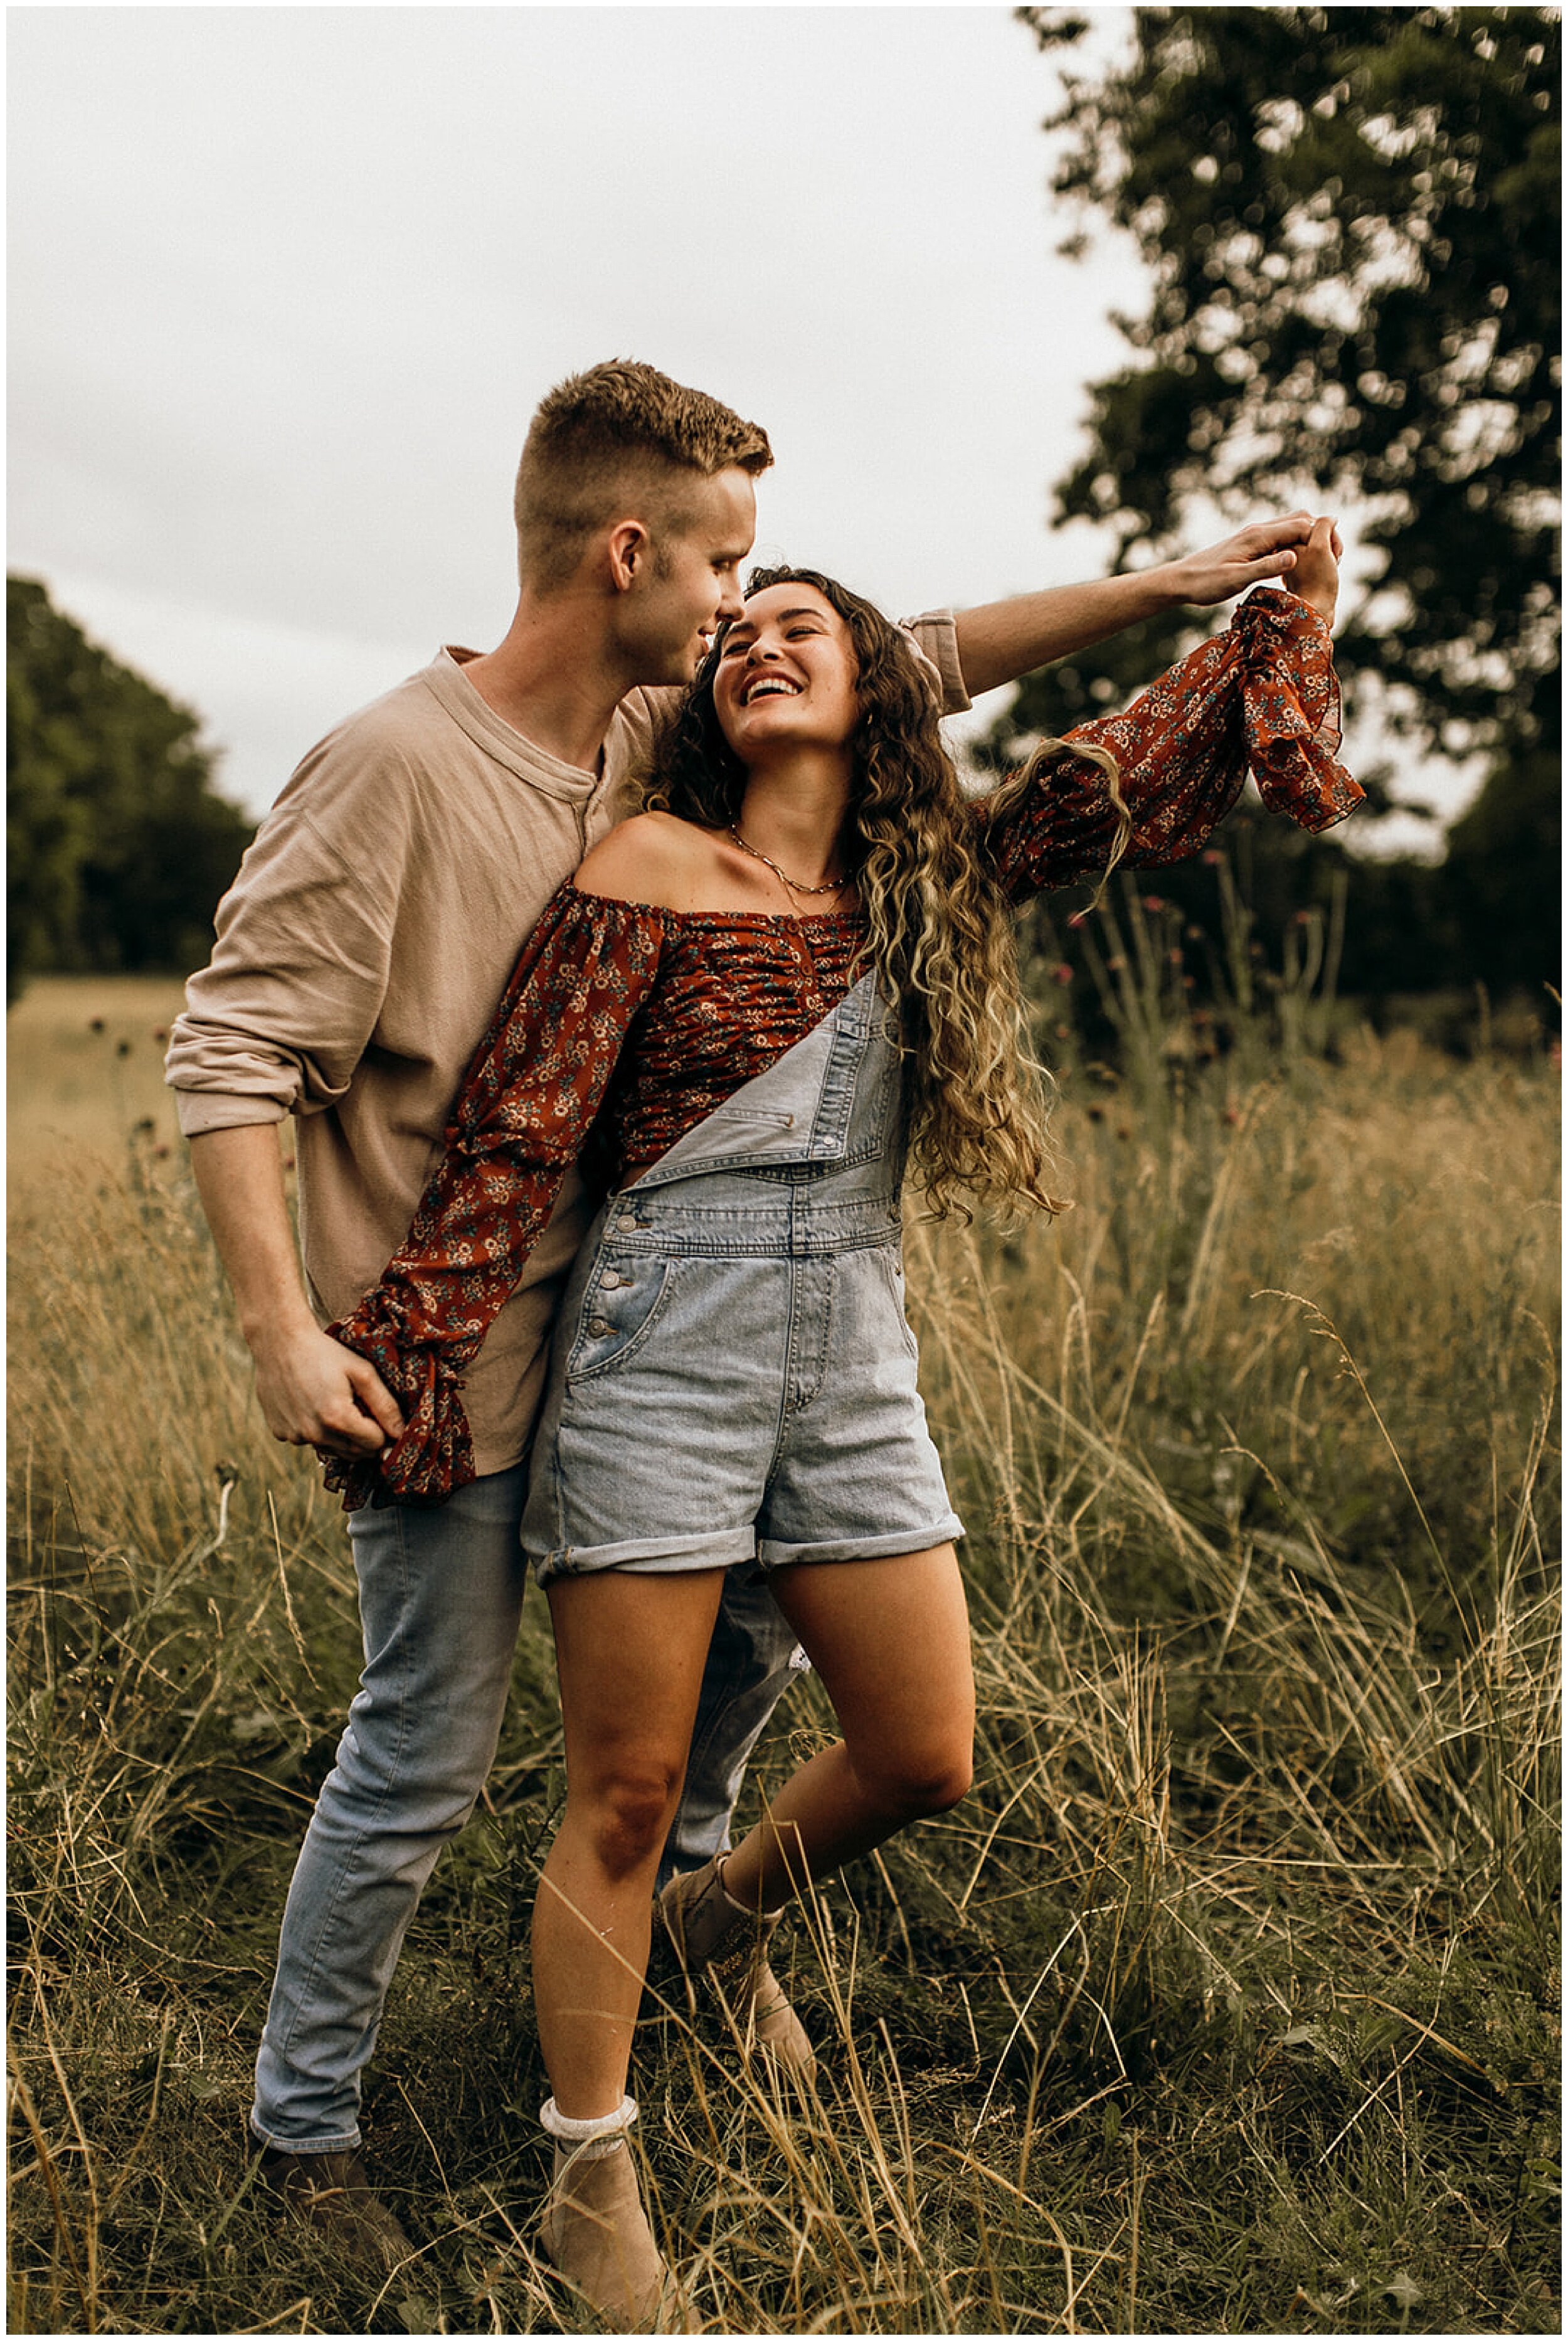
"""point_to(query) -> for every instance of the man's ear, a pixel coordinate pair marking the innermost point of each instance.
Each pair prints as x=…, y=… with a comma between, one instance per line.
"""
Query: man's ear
x=631, y=552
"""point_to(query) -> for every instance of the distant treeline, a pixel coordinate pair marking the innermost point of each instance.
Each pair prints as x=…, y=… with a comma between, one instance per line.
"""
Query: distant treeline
x=118, y=844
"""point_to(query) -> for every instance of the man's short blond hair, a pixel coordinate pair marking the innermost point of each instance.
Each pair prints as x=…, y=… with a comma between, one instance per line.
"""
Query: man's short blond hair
x=621, y=436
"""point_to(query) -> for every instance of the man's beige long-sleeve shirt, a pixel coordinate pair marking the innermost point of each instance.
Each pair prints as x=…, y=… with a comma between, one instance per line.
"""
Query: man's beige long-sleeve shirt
x=359, y=954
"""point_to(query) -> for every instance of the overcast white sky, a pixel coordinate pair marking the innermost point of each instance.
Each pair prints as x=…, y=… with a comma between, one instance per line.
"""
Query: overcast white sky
x=285, y=284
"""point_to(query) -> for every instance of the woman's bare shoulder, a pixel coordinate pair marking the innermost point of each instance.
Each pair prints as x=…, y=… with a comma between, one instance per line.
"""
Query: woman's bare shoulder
x=653, y=858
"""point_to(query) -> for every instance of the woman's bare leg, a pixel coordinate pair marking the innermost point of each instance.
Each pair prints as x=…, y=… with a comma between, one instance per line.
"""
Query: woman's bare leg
x=891, y=1640
x=629, y=1652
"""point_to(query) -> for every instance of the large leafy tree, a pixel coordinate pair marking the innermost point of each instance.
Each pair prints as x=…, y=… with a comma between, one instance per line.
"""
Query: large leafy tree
x=1351, y=217
x=118, y=846
x=1351, y=221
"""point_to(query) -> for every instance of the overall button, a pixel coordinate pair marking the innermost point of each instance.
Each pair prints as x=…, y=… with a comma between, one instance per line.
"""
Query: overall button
x=599, y=1326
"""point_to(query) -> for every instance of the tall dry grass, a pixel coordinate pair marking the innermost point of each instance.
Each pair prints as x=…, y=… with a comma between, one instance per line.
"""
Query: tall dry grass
x=1225, y=2003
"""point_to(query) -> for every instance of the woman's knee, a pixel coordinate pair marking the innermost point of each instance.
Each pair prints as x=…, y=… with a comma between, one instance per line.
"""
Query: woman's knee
x=626, y=1808
x=914, y=1783
x=940, y=1785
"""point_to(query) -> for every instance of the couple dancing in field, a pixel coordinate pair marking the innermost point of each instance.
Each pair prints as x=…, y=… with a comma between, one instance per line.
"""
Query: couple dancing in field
x=766, y=964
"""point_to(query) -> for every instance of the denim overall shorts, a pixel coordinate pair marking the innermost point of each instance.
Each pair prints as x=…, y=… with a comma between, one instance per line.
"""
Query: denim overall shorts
x=733, y=1375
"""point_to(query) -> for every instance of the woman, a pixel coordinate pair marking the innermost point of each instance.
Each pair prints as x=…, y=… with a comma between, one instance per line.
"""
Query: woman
x=788, y=975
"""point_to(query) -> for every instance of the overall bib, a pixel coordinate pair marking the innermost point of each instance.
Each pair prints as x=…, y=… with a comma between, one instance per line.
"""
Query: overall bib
x=733, y=1375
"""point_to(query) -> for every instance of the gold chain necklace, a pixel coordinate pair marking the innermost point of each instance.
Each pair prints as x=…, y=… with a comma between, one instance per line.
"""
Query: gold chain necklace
x=834, y=885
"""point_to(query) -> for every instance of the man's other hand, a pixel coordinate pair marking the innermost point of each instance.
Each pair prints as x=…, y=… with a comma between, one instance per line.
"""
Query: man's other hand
x=1262, y=550
x=315, y=1393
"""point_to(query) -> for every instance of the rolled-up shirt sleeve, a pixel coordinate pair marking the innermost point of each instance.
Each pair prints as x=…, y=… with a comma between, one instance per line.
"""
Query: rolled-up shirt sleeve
x=1262, y=696
x=278, y=1020
x=935, y=636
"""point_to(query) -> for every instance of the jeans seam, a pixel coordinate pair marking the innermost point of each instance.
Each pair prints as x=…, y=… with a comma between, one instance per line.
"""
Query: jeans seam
x=362, y=1833
x=736, y=1685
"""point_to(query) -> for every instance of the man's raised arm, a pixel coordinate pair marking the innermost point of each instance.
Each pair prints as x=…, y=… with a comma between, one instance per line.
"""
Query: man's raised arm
x=1001, y=641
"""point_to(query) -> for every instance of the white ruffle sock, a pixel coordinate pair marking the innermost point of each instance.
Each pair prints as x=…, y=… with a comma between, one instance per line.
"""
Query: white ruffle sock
x=590, y=2140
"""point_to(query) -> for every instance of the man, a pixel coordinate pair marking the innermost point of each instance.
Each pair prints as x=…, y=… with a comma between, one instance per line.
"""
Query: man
x=358, y=956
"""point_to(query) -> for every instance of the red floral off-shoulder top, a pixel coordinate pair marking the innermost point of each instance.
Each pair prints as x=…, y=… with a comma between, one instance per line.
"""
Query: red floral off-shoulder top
x=633, y=1023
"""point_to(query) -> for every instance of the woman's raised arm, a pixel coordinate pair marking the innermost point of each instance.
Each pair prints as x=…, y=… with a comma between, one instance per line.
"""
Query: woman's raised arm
x=1262, y=696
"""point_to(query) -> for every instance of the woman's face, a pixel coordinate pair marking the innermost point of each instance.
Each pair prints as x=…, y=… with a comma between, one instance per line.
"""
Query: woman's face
x=785, y=675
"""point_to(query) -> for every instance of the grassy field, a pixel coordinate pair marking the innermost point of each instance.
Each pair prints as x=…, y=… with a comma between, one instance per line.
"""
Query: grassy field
x=1228, y=2002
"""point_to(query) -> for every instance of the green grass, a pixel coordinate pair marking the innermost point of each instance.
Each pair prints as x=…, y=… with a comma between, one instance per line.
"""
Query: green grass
x=1228, y=2002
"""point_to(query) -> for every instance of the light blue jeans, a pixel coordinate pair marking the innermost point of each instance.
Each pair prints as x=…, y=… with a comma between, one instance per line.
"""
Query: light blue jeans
x=440, y=1594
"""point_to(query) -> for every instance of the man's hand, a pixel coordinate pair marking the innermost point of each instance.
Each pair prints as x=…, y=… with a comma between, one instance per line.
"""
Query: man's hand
x=1000, y=641
x=1264, y=549
x=1315, y=577
x=315, y=1393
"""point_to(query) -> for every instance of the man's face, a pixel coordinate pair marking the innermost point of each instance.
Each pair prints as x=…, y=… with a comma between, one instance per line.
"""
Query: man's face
x=693, y=581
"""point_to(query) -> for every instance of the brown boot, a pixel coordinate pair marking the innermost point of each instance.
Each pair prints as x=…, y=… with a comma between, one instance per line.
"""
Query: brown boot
x=595, y=2234
x=331, y=2193
x=729, y=1947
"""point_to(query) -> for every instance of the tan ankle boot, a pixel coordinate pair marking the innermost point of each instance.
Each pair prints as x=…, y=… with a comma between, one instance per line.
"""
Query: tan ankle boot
x=595, y=2234
x=728, y=1947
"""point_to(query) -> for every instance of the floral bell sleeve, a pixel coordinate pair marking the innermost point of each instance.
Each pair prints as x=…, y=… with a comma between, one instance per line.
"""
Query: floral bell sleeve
x=1262, y=696
x=522, y=1114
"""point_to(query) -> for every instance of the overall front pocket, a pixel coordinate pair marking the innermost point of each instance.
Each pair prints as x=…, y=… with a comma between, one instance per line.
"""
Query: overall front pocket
x=624, y=1298
x=889, y=1262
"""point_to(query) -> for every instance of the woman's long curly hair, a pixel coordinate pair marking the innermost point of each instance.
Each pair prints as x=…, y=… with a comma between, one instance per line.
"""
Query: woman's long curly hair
x=941, y=931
